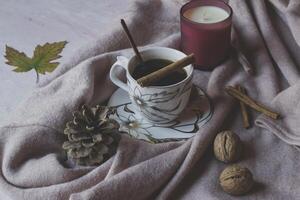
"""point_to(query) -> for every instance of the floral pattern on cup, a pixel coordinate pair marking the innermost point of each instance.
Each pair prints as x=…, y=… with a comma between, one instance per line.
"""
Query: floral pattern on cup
x=150, y=104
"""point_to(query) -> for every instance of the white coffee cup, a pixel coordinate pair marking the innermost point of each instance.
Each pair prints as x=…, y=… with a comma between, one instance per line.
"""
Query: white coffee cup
x=157, y=104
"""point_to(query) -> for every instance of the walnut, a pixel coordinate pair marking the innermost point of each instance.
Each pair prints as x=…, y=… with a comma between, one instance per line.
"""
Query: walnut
x=236, y=180
x=227, y=146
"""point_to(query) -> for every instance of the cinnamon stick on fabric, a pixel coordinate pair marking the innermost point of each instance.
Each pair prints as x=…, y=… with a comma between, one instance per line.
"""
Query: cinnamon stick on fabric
x=244, y=111
x=251, y=103
x=165, y=71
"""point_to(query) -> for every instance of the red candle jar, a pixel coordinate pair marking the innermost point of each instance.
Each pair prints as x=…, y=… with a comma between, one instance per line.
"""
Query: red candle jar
x=205, y=31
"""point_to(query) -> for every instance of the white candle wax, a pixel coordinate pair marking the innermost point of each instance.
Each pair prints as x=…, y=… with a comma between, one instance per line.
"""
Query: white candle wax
x=206, y=14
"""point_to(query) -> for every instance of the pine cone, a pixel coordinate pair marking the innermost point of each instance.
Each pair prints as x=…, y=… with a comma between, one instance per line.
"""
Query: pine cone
x=92, y=136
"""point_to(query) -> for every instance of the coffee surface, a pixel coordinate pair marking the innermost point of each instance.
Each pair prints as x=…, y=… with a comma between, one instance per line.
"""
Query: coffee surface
x=153, y=65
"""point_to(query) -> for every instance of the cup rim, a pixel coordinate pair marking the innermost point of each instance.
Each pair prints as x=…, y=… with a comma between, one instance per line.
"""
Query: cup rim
x=205, y=24
x=165, y=86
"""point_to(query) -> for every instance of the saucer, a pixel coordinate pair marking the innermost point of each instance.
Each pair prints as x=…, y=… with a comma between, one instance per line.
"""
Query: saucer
x=198, y=112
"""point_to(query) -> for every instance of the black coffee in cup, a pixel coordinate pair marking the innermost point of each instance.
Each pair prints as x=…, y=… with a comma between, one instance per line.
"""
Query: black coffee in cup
x=153, y=65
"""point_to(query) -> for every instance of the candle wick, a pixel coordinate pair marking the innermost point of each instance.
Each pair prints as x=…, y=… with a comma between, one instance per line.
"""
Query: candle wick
x=204, y=14
x=205, y=17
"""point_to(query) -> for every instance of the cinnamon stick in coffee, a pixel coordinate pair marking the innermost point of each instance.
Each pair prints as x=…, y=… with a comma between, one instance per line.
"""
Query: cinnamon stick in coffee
x=164, y=72
x=251, y=103
x=129, y=36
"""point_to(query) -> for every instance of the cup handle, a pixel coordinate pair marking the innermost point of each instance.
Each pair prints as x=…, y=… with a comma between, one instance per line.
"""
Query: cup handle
x=121, y=62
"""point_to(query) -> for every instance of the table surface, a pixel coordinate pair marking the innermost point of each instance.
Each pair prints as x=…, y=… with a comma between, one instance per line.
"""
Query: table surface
x=24, y=24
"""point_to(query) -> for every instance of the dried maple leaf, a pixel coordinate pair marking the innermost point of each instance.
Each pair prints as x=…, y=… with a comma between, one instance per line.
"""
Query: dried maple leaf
x=41, y=61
